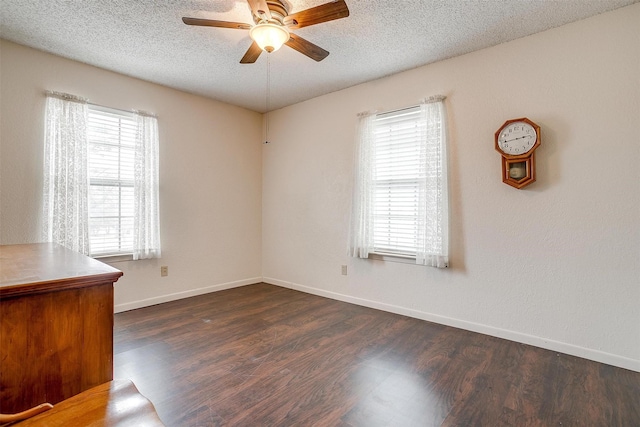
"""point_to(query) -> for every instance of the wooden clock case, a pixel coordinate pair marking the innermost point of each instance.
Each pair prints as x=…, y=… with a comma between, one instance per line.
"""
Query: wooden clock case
x=525, y=161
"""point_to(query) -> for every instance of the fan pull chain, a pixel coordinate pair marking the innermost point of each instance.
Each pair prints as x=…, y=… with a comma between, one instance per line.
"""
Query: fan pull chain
x=266, y=138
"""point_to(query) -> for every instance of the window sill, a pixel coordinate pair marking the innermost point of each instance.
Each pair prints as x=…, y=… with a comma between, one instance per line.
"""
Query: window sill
x=114, y=258
x=404, y=259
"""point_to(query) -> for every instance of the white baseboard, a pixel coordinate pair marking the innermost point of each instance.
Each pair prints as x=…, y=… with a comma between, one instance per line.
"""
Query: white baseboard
x=561, y=347
x=185, y=294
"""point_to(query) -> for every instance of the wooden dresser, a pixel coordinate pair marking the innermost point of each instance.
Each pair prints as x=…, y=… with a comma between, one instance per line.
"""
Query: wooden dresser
x=56, y=324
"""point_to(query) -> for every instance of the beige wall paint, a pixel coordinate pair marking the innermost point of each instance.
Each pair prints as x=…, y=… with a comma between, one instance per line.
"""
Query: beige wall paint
x=556, y=265
x=210, y=177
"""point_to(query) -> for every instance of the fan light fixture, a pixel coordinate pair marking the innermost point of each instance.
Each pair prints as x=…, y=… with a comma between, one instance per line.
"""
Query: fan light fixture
x=270, y=37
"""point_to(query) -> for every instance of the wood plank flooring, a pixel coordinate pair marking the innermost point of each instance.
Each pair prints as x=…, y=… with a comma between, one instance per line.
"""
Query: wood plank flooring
x=262, y=355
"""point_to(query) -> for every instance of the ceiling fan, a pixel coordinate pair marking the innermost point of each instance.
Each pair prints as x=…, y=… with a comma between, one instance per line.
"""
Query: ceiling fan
x=272, y=25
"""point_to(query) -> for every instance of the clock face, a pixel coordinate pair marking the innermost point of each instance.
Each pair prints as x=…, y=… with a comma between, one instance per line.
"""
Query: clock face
x=517, y=138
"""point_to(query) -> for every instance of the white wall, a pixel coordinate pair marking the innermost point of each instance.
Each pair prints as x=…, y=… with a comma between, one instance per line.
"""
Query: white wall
x=210, y=177
x=556, y=264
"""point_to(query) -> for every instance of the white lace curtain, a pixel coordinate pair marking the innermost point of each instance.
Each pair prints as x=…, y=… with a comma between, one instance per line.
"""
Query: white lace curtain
x=432, y=232
x=146, y=241
x=66, y=182
x=361, y=235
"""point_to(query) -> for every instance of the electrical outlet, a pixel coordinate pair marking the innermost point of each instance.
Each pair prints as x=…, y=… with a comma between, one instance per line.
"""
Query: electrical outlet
x=164, y=271
x=344, y=270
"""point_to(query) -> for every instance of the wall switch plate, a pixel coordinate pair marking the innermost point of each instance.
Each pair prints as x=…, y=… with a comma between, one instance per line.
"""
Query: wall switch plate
x=344, y=270
x=164, y=271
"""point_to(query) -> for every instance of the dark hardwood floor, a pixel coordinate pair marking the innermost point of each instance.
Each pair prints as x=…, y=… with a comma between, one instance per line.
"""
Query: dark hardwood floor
x=262, y=355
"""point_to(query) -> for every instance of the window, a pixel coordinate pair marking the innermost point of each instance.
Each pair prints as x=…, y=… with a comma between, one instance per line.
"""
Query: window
x=111, y=137
x=100, y=179
x=396, y=181
x=400, y=205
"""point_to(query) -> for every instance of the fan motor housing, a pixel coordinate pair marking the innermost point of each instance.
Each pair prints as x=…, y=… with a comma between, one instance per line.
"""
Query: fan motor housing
x=278, y=11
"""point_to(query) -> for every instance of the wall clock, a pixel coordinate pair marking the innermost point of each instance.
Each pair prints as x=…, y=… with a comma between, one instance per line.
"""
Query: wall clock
x=516, y=141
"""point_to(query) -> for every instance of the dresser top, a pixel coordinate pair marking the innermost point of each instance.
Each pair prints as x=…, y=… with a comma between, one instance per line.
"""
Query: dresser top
x=42, y=267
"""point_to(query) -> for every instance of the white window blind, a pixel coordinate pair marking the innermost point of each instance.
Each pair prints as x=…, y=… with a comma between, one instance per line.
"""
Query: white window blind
x=111, y=144
x=398, y=166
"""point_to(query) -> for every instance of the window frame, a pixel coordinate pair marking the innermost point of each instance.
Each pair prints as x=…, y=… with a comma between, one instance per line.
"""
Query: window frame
x=382, y=252
x=122, y=253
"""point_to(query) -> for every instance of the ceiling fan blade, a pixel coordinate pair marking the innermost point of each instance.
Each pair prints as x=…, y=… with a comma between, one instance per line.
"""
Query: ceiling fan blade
x=316, y=15
x=252, y=54
x=307, y=48
x=260, y=8
x=212, y=23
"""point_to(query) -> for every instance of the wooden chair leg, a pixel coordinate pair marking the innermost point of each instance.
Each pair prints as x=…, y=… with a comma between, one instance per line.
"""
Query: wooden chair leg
x=9, y=418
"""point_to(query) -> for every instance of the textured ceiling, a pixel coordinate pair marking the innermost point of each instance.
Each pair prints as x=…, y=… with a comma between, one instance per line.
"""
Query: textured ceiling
x=147, y=39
